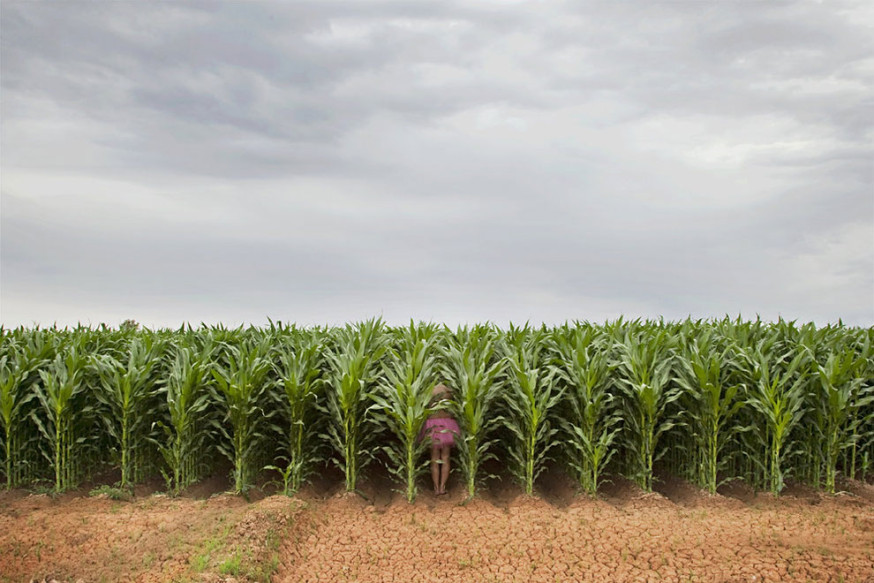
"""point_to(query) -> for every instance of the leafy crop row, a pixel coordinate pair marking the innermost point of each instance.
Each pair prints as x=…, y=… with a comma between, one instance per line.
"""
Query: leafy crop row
x=707, y=400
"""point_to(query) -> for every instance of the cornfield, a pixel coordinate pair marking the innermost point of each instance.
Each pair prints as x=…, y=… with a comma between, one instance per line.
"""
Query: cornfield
x=710, y=401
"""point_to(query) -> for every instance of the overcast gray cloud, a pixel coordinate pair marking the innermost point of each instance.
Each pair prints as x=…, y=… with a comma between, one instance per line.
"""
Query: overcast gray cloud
x=328, y=161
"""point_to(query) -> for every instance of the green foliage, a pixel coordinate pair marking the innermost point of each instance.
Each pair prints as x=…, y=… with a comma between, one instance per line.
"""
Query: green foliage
x=111, y=492
x=777, y=399
x=14, y=398
x=22, y=355
x=840, y=398
x=532, y=394
x=185, y=426
x=231, y=565
x=474, y=370
x=401, y=404
x=646, y=357
x=242, y=387
x=300, y=376
x=126, y=391
x=62, y=417
x=583, y=364
x=353, y=370
x=710, y=398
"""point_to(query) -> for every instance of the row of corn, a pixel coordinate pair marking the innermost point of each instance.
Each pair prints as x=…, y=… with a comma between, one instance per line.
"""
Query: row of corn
x=710, y=401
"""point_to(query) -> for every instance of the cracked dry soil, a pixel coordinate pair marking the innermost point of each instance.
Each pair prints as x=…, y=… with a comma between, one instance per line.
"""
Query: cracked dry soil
x=632, y=538
x=677, y=535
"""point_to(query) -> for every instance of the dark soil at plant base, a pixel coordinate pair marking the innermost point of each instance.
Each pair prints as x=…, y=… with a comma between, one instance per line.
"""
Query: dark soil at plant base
x=677, y=533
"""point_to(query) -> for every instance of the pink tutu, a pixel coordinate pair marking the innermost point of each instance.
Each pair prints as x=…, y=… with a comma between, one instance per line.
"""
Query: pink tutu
x=442, y=430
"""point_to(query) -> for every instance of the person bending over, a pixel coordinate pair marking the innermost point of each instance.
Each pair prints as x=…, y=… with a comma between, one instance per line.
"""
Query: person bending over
x=442, y=429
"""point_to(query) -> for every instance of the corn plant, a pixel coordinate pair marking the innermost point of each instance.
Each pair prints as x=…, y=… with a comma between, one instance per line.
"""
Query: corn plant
x=758, y=401
x=126, y=391
x=299, y=374
x=185, y=426
x=860, y=456
x=646, y=359
x=62, y=415
x=840, y=400
x=777, y=398
x=711, y=401
x=19, y=368
x=242, y=386
x=11, y=402
x=532, y=394
x=474, y=369
x=26, y=351
x=353, y=364
x=583, y=364
x=401, y=404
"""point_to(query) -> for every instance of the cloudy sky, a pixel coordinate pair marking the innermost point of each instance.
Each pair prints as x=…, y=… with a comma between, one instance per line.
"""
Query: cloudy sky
x=323, y=162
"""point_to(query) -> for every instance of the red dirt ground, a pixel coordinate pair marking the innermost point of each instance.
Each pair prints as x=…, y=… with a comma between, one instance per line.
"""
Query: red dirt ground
x=678, y=534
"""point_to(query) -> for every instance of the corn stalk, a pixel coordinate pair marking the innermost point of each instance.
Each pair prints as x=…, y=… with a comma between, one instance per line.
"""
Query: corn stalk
x=401, y=404
x=15, y=394
x=583, y=364
x=711, y=401
x=62, y=414
x=242, y=385
x=840, y=397
x=300, y=378
x=126, y=391
x=353, y=371
x=473, y=368
x=777, y=397
x=185, y=428
x=646, y=360
x=532, y=394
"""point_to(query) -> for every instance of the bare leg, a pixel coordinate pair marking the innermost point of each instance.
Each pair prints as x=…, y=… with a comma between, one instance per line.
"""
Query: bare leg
x=444, y=472
x=435, y=467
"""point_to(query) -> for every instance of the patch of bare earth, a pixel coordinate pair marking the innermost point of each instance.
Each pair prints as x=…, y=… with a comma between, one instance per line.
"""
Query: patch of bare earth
x=154, y=539
x=677, y=533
